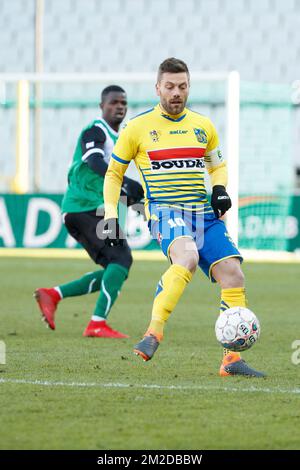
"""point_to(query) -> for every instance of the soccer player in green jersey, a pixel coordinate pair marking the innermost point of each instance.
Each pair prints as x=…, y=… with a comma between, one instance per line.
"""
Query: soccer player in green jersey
x=80, y=206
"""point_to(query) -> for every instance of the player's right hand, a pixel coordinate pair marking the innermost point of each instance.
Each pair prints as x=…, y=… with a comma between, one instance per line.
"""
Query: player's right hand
x=111, y=233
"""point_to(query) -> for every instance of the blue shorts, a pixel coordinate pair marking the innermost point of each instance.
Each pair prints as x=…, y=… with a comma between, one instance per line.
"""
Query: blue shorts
x=209, y=233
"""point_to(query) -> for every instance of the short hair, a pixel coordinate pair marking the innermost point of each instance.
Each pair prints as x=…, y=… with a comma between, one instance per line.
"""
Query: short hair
x=172, y=65
x=109, y=89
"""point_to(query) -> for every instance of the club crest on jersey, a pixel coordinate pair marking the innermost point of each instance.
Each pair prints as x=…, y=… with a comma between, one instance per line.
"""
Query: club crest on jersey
x=154, y=135
x=200, y=135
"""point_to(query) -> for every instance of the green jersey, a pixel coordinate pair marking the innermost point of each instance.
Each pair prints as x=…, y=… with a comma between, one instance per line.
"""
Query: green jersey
x=85, y=186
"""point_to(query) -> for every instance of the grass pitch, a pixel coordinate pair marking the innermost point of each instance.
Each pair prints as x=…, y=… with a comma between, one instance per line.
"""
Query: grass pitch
x=62, y=391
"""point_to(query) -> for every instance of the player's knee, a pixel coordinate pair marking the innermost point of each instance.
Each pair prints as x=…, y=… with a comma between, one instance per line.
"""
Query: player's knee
x=238, y=278
x=123, y=257
x=184, y=252
x=188, y=260
x=192, y=262
x=228, y=273
x=127, y=259
x=235, y=277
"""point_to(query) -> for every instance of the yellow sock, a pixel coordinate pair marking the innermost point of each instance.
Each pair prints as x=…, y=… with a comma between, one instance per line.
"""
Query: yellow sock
x=169, y=290
x=234, y=297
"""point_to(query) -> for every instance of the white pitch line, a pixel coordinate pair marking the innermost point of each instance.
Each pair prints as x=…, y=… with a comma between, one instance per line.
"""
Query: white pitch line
x=252, y=389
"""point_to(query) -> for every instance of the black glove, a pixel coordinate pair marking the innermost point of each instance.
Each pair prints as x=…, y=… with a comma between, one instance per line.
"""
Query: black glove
x=111, y=233
x=220, y=201
x=132, y=190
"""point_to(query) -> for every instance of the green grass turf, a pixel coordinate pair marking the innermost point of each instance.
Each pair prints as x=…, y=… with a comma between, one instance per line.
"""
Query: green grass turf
x=222, y=413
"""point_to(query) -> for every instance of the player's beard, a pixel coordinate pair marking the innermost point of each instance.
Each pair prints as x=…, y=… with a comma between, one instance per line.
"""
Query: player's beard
x=173, y=108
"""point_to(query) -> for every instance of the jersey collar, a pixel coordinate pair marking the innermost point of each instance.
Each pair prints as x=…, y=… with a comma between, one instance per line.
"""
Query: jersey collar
x=111, y=130
x=172, y=117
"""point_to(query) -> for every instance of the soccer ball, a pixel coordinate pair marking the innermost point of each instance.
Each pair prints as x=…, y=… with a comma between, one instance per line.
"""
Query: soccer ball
x=237, y=328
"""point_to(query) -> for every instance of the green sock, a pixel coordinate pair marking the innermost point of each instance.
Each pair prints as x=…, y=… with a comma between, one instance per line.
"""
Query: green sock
x=90, y=282
x=111, y=284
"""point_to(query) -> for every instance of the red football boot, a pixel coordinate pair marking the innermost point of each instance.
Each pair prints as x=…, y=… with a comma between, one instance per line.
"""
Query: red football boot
x=47, y=300
x=100, y=329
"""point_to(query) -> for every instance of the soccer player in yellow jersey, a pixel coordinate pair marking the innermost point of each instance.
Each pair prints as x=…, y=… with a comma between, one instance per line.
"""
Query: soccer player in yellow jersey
x=171, y=147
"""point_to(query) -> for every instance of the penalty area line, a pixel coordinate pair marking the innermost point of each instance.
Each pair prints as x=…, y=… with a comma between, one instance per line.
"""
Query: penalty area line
x=204, y=388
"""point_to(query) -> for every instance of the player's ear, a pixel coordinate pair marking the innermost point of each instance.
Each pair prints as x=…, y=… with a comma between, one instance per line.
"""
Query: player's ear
x=157, y=88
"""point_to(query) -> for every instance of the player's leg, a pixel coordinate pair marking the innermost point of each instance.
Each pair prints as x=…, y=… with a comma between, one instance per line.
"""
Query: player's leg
x=48, y=298
x=86, y=284
x=109, y=281
x=116, y=262
x=179, y=246
x=221, y=261
x=184, y=257
x=229, y=275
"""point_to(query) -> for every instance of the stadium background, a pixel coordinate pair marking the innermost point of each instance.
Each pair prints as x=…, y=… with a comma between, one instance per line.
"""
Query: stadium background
x=133, y=37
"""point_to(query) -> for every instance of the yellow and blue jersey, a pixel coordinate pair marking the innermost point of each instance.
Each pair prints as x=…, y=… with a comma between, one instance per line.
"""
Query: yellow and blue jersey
x=171, y=154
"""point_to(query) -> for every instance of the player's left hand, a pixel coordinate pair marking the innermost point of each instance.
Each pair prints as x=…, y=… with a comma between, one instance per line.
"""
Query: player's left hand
x=220, y=201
